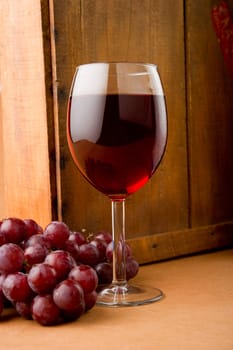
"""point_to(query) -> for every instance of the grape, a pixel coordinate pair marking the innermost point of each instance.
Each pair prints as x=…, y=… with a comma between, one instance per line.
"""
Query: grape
x=24, y=309
x=34, y=254
x=90, y=300
x=37, y=239
x=86, y=276
x=72, y=315
x=2, y=277
x=57, y=233
x=2, y=296
x=101, y=246
x=32, y=228
x=1, y=303
x=45, y=311
x=72, y=248
x=132, y=268
x=2, y=238
x=52, y=276
x=42, y=278
x=128, y=250
x=109, y=250
x=68, y=295
x=105, y=236
x=15, y=287
x=77, y=237
x=11, y=258
x=13, y=229
x=62, y=262
x=88, y=254
x=104, y=272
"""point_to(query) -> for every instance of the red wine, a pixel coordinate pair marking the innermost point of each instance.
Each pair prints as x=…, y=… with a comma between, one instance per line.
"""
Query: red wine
x=117, y=141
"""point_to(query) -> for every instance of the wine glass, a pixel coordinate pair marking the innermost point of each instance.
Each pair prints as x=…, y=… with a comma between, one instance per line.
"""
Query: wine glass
x=117, y=133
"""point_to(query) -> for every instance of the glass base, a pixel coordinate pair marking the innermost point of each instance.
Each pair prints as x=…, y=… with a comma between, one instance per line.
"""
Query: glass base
x=128, y=295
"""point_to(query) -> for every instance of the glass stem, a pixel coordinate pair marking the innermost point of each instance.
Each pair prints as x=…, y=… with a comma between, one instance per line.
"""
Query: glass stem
x=118, y=236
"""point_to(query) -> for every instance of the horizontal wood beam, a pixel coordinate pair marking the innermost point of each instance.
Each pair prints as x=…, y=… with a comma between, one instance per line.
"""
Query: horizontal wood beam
x=169, y=245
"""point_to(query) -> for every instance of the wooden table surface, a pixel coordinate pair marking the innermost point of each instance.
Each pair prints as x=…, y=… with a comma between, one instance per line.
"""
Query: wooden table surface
x=196, y=313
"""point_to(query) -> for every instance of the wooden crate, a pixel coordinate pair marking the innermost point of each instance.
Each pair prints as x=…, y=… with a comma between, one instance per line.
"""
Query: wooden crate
x=187, y=206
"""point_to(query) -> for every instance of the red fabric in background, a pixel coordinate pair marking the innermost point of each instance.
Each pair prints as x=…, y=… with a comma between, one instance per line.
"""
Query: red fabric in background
x=223, y=26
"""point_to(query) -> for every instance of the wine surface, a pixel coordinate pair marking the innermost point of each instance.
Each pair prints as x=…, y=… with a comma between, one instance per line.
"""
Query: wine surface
x=117, y=141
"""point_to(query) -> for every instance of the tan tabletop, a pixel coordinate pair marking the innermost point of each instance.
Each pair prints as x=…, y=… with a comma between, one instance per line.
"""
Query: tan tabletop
x=197, y=313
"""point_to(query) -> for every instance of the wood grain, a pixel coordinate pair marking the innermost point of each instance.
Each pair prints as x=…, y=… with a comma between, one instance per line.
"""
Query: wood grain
x=146, y=31
x=187, y=206
x=175, y=244
x=25, y=182
x=210, y=120
x=2, y=201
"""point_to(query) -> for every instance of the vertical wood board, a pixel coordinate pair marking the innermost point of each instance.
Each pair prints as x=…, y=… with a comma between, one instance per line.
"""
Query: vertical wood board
x=210, y=120
x=26, y=180
x=115, y=30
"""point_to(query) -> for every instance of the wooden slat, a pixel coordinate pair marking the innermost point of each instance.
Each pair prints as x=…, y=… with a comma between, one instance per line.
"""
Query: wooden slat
x=25, y=182
x=187, y=207
x=2, y=201
x=111, y=30
x=179, y=243
x=210, y=120
x=51, y=109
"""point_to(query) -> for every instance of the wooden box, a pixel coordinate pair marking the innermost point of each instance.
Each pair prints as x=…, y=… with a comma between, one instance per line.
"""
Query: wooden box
x=187, y=207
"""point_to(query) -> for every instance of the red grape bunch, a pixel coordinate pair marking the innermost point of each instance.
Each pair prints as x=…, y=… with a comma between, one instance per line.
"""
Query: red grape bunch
x=52, y=275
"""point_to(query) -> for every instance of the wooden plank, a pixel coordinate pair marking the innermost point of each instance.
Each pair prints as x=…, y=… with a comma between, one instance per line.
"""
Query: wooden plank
x=51, y=110
x=2, y=200
x=26, y=182
x=210, y=120
x=111, y=30
x=34, y=93
x=174, y=244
